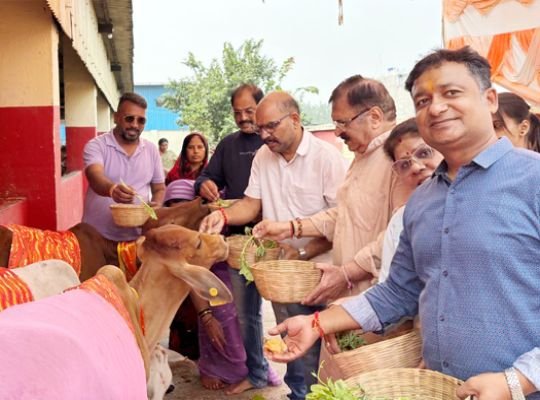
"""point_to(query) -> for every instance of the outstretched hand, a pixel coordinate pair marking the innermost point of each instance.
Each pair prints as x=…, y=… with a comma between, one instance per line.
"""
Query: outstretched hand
x=273, y=230
x=300, y=337
x=212, y=223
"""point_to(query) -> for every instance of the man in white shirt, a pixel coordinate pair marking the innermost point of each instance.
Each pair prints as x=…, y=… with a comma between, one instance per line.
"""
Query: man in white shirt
x=295, y=175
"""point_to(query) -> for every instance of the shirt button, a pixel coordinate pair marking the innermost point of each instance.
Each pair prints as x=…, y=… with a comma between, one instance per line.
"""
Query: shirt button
x=446, y=230
x=441, y=318
x=445, y=273
x=445, y=364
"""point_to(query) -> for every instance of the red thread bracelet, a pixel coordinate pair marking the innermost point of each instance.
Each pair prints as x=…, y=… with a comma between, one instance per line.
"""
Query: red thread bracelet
x=316, y=323
x=222, y=211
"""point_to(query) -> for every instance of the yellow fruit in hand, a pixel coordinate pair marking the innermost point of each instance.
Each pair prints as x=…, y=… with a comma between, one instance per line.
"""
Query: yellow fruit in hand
x=275, y=345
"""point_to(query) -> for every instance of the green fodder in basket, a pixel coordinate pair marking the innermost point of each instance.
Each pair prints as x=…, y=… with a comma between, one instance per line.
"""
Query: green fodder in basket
x=260, y=252
x=339, y=390
x=350, y=340
x=222, y=203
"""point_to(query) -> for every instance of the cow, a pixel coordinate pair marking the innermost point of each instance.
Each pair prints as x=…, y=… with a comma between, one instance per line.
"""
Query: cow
x=96, y=251
x=76, y=345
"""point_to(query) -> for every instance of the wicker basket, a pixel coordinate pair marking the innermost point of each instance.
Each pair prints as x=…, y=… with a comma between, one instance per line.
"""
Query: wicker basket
x=285, y=281
x=129, y=215
x=216, y=206
x=411, y=383
x=403, y=351
x=236, y=244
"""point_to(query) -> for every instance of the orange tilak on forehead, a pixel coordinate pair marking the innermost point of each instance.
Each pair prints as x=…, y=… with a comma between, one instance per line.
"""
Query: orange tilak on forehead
x=430, y=85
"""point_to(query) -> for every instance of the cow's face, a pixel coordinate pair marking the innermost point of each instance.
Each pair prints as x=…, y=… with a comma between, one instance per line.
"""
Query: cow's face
x=172, y=242
x=184, y=253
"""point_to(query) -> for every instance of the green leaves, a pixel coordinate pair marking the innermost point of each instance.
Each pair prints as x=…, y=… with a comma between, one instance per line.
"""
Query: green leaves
x=350, y=340
x=203, y=100
x=260, y=252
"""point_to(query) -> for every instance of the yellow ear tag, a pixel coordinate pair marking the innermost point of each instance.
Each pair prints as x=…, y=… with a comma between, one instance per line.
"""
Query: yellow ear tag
x=213, y=292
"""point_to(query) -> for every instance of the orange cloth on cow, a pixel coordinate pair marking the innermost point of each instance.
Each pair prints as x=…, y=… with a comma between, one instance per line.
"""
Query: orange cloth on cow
x=100, y=285
x=13, y=290
x=127, y=258
x=30, y=245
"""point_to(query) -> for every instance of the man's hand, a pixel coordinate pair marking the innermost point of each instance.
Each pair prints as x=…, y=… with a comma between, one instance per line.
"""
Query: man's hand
x=212, y=223
x=215, y=333
x=122, y=194
x=272, y=230
x=300, y=337
x=488, y=386
x=289, y=252
x=331, y=343
x=332, y=284
x=209, y=190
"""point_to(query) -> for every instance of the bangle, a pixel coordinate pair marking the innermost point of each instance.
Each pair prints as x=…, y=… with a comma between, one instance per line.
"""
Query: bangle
x=299, y=232
x=111, y=190
x=202, y=313
x=222, y=211
x=292, y=228
x=512, y=381
x=206, y=320
x=316, y=323
x=347, y=279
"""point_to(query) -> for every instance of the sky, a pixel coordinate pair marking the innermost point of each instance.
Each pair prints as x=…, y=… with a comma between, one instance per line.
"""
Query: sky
x=376, y=36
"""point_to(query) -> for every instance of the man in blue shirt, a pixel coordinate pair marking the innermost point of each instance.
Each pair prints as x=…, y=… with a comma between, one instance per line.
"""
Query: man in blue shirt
x=467, y=260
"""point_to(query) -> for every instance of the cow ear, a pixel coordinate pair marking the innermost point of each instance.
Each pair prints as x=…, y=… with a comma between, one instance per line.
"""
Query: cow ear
x=140, y=250
x=204, y=283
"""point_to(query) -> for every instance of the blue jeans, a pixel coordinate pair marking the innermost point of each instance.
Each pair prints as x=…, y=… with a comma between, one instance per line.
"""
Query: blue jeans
x=248, y=306
x=299, y=376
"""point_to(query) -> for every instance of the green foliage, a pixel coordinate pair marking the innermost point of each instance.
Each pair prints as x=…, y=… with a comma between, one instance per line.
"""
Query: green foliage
x=350, y=340
x=204, y=98
x=260, y=251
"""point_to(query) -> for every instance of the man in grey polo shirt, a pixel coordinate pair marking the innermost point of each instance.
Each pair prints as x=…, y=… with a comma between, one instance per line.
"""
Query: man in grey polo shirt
x=121, y=156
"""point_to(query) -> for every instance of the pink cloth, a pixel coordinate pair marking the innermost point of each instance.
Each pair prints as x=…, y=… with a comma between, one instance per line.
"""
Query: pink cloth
x=69, y=346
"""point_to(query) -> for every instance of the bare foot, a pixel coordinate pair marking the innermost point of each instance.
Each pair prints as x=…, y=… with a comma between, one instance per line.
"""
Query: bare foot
x=239, y=387
x=212, y=383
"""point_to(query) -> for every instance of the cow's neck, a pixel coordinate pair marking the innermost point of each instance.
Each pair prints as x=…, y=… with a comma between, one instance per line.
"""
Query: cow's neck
x=160, y=296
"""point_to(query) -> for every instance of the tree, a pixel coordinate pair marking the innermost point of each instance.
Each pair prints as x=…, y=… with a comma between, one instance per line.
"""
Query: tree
x=203, y=100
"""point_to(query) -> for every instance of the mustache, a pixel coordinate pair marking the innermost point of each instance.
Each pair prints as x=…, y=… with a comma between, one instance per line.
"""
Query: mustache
x=270, y=140
x=245, y=121
x=344, y=136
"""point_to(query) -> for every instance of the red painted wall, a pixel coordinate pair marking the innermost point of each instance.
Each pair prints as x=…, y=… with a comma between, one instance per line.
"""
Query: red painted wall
x=70, y=200
x=13, y=211
x=76, y=139
x=330, y=137
x=30, y=154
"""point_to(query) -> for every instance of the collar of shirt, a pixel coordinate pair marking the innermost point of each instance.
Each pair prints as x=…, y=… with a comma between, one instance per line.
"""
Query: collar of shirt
x=374, y=144
x=484, y=159
x=110, y=140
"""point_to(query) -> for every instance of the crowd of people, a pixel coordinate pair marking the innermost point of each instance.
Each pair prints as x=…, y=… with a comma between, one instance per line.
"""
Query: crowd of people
x=436, y=217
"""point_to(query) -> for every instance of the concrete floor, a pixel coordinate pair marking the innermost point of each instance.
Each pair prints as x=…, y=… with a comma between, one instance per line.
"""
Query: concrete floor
x=186, y=377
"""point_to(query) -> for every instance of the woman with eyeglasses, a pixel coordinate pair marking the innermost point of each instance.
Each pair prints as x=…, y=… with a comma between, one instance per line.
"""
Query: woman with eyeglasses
x=514, y=120
x=192, y=160
x=414, y=162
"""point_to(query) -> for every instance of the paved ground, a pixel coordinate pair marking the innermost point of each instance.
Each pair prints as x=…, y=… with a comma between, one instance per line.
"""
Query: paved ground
x=186, y=378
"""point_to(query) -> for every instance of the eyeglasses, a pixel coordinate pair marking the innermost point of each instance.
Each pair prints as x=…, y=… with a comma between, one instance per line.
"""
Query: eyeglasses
x=345, y=124
x=130, y=118
x=403, y=166
x=271, y=126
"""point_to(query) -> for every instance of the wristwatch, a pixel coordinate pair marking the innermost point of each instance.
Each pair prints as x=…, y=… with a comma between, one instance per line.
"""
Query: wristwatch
x=302, y=254
x=513, y=384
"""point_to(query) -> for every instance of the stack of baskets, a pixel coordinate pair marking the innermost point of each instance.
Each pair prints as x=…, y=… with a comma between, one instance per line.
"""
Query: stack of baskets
x=129, y=215
x=410, y=383
x=285, y=281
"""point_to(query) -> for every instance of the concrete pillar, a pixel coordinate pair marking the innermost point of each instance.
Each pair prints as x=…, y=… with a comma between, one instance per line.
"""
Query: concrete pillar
x=29, y=110
x=80, y=96
x=103, y=115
